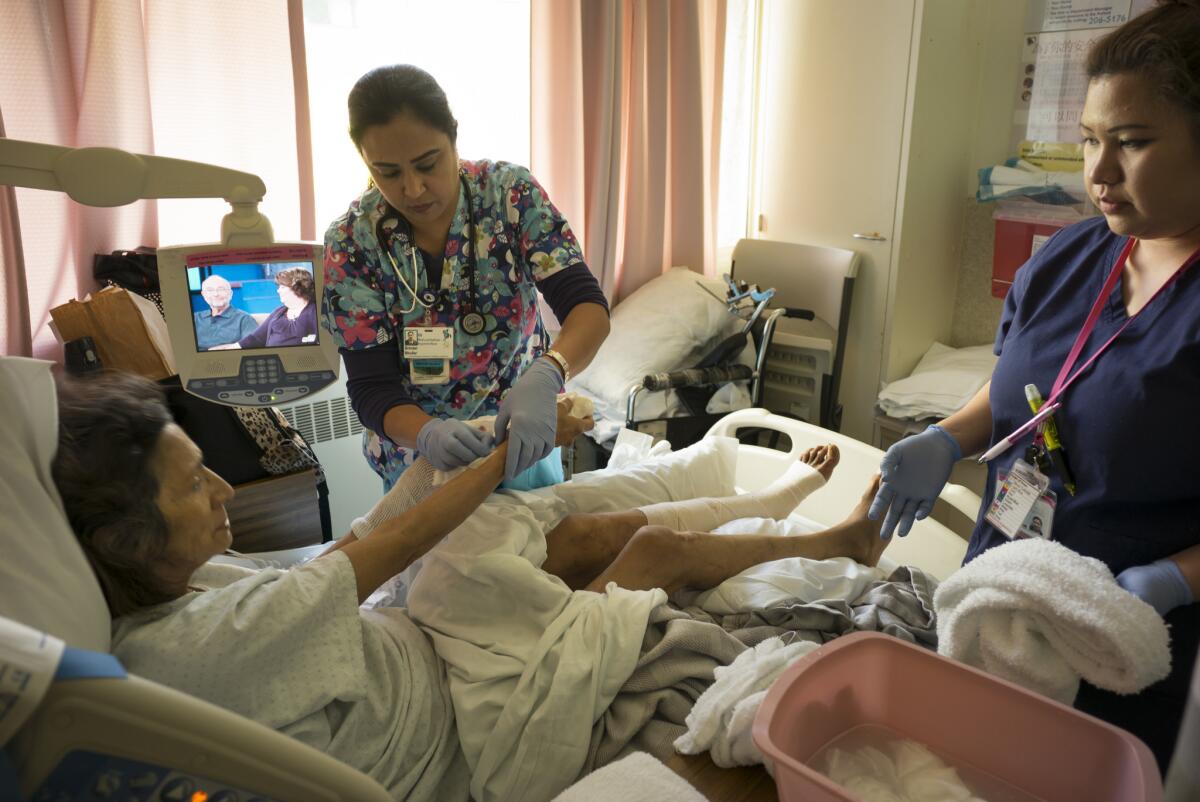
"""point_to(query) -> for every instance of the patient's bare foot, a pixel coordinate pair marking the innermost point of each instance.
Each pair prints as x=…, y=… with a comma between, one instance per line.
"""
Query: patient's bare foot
x=823, y=458
x=862, y=535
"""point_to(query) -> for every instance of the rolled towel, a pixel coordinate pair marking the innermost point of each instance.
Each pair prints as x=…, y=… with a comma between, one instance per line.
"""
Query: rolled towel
x=1038, y=614
x=638, y=777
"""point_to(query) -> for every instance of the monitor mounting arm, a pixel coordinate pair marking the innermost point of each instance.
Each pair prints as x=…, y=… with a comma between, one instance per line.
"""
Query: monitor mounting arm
x=112, y=177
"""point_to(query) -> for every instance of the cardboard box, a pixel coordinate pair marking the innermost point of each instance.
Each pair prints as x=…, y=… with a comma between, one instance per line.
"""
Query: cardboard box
x=128, y=330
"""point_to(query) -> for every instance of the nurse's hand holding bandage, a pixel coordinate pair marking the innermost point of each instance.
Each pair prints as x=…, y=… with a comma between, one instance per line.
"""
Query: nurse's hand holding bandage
x=449, y=443
x=529, y=416
x=914, y=471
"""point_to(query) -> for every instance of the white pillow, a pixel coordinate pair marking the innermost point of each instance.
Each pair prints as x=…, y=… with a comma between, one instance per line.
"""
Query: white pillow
x=45, y=580
x=655, y=329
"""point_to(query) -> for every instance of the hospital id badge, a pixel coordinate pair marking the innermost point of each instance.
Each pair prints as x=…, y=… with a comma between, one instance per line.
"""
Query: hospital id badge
x=428, y=342
x=1019, y=492
x=428, y=350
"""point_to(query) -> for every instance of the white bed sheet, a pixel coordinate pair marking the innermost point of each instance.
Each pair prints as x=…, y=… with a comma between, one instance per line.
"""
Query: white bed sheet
x=531, y=664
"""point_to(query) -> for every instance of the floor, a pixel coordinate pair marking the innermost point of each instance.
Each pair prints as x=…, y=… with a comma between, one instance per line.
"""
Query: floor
x=741, y=784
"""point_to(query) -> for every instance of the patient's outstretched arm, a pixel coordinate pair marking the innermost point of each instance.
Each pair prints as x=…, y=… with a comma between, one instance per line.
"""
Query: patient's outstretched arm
x=396, y=517
x=396, y=542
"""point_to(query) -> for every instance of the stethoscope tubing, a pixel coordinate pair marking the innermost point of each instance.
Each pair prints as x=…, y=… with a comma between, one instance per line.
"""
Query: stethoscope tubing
x=384, y=240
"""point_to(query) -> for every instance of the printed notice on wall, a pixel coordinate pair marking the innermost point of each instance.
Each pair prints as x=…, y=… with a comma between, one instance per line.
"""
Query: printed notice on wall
x=1067, y=15
x=1053, y=78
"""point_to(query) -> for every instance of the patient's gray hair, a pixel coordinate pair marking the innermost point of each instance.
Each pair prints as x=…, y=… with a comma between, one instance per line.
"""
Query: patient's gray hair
x=109, y=425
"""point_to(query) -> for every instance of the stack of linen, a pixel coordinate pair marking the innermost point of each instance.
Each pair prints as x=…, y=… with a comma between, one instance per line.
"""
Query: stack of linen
x=942, y=383
x=1017, y=178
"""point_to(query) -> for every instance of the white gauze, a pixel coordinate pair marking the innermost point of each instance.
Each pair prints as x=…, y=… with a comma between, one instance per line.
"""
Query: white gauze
x=776, y=500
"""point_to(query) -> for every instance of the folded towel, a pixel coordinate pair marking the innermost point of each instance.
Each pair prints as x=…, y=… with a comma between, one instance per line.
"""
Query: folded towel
x=638, y=777
x=941, y=384
x=1040, y=615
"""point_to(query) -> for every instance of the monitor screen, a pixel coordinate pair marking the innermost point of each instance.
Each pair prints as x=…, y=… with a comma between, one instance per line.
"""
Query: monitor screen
x=253, y=305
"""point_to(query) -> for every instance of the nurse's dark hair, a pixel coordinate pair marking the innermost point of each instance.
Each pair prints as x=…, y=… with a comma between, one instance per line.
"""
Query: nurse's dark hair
x=1162, y=44
x=384, y=92
x=109, y=426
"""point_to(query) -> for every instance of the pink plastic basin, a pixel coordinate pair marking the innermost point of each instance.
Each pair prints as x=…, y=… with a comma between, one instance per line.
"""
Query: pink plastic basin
x=1045, y=748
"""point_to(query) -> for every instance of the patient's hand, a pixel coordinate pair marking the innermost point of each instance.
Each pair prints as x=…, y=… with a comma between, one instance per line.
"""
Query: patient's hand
x=569, y=427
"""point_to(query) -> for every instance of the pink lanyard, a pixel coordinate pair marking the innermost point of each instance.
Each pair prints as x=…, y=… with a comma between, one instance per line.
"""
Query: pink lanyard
x=1063, y=382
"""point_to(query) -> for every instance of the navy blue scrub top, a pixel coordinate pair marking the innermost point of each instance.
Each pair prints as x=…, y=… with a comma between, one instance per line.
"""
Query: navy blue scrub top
x=1131, y=428
x=1130, y=424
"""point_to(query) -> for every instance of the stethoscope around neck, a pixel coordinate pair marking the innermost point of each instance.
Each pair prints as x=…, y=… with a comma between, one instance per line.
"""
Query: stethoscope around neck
x=471, y=321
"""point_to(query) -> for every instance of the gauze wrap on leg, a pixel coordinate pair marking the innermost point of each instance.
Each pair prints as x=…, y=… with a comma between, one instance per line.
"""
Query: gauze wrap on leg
x=776, y=500
x=413, y=485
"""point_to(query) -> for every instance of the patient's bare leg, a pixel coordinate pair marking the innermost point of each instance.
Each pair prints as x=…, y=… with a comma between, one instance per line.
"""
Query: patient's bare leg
x=584, y=544
x=657, y=557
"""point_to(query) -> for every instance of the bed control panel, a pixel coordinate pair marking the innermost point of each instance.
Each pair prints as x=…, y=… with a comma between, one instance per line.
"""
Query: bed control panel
x=84, y=776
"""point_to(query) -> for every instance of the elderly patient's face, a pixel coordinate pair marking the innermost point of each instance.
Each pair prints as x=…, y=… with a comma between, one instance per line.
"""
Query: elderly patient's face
x=217, y=294
x=192, y=500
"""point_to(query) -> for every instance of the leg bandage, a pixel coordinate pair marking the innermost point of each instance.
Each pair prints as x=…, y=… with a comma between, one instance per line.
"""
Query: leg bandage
x=413, y=485
x=777, y=500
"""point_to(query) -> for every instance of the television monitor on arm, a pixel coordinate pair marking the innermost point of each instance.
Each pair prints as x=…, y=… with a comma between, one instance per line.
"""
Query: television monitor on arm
x=245, y=323
x=241, y=313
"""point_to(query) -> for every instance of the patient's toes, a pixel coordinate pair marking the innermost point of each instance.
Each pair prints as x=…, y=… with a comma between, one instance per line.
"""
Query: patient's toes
x=832, y=457
x=822, y=458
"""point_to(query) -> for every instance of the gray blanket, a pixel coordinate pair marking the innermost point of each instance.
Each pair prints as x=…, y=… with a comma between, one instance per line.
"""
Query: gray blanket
x=682, y=646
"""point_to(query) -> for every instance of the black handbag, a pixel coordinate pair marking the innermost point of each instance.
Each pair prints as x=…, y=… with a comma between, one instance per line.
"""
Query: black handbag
x=136, y=271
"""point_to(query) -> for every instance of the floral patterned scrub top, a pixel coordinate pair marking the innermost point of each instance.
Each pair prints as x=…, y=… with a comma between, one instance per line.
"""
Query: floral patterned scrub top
x=522, y=240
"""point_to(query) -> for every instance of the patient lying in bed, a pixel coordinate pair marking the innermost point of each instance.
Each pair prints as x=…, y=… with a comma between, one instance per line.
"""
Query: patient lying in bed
x=295, y=651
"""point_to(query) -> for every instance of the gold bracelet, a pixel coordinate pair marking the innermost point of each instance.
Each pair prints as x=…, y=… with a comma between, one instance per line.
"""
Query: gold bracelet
x=559, y=360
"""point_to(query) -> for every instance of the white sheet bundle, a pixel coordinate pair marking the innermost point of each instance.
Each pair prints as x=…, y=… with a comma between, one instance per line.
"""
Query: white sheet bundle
x=942, y=382
x=722, y=718
x=531, y=664
x=1040, y=615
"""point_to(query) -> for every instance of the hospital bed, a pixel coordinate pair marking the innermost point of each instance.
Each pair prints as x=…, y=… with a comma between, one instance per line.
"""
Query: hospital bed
x=99, y=734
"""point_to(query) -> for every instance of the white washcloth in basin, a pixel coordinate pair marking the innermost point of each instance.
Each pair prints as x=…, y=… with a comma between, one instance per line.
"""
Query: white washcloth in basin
x=1040, y=615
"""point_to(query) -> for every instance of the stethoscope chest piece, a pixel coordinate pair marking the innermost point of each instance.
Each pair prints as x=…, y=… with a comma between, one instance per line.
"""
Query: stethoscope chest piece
x=473, y=323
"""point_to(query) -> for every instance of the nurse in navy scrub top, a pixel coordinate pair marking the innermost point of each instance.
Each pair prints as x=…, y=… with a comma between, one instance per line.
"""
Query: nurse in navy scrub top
x=432, y=278
x=1129, y=422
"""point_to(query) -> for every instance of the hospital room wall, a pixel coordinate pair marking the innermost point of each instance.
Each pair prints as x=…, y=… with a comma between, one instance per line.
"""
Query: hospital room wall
x=881, y=138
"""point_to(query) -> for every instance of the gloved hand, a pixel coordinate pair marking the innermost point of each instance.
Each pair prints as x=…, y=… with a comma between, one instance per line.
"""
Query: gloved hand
x=529, y=415
x=914, y=471
x=1160, y=584
x=448, y=443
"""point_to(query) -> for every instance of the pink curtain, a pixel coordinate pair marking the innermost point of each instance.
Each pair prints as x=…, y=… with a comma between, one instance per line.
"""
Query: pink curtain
x=625, y=119
x=213, y=82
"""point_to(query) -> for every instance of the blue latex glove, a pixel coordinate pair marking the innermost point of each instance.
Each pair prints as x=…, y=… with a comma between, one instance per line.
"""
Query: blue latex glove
x=529, y=414
x=1160, y=584
x=448, y=443
x=914, y=471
